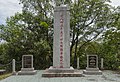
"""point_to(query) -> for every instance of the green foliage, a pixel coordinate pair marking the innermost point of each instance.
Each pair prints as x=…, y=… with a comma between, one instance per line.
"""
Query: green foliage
x=44, y=24
x=88, y=20
x=31, y=32
x=112, y=42
x=22, y=37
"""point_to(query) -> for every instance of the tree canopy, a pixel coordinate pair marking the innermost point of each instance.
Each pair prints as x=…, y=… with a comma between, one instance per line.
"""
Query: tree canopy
x=94, y=30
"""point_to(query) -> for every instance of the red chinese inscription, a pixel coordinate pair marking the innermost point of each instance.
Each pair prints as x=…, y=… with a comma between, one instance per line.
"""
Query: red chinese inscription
x=61, y=40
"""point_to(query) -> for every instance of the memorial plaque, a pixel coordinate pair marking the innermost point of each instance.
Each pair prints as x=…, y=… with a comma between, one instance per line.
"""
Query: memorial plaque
x=27, y=61
x=92, y=61
x=92, y=66
x=27, y=66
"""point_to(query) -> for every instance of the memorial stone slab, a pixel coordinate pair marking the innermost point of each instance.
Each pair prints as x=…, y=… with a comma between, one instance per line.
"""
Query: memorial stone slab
x=27, y=65
x=92, y=59
x=92, y=65
x=27, y=62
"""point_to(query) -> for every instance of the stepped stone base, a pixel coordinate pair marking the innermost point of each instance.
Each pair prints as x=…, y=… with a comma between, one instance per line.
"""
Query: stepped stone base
x=61, y=72
x=92, y=71
x=27, y=71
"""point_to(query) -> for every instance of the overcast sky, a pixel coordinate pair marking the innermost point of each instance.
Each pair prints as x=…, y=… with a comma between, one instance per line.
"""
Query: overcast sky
x=10, y=7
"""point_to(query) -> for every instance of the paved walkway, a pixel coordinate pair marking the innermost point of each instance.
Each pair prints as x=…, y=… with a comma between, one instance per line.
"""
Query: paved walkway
x=108, y=76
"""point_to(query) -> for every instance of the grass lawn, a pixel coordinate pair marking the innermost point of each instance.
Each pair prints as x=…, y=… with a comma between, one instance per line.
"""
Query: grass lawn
x=5, y=76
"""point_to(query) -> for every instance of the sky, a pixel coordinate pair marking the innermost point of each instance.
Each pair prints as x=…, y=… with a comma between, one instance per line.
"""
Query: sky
x=10, y=7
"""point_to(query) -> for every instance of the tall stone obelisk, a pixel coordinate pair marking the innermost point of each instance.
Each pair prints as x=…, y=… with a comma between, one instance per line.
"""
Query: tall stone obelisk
x=61, y=46
x=61, y=43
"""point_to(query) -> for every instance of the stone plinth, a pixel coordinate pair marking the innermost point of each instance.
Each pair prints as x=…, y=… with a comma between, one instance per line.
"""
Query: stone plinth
x=27, y=71
x=75, y=74
x=92, y=71
x=64, y=72
x=60, y=70
x=92, y=66
x=27, y=66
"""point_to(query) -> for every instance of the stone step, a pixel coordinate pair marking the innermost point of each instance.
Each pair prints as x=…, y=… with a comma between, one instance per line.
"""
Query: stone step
x=62, y=75
x=27, y=72
x=92, y=72
x=27, y=69
x=92, y=69
x=60, y=70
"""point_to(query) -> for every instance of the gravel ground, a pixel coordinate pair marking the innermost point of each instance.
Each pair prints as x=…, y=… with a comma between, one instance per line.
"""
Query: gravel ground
x=107, y=76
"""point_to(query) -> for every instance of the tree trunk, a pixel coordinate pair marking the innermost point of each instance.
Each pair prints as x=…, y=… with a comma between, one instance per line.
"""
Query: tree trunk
x=75, y=54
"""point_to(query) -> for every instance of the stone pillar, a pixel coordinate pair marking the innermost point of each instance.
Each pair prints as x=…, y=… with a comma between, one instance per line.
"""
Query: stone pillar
x=22, y=62
x=61, y=43
x=32, y=62
x=97, y=62
x=78, y=67
x=13, y=66
x=87, y=61
x=101, y=63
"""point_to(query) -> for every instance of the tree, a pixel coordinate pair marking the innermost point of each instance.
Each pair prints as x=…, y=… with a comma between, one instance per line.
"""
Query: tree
x=88, y=20
x=32, y=30
x=112, y=41
x=26, y=36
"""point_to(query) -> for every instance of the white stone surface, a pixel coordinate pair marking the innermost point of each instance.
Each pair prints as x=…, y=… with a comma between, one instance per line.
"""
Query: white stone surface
x=60, y=70
x=27, y=69
x=66, y=37
x=27, y=72
x=107, y=76
x=92, y=72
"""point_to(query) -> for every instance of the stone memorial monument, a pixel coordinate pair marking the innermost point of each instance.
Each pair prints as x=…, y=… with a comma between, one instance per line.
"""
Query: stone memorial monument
x=27, y=65
x=61, y=45
x=92, y=65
